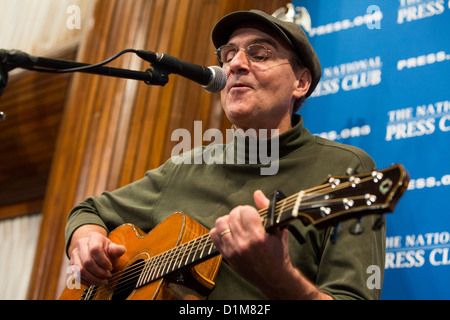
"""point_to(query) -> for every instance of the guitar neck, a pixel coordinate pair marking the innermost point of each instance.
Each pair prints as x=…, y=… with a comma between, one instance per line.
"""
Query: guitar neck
x=187, y=254
x=339, y=198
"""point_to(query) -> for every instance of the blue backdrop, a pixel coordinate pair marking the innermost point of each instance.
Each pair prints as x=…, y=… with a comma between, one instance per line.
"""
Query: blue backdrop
x=386, y=88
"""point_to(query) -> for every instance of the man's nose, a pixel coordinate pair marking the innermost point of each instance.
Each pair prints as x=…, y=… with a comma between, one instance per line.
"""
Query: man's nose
x=240, y=61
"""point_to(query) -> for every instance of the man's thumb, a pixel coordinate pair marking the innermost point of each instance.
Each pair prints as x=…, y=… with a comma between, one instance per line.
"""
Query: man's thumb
x=115, y=251
x=261, y=200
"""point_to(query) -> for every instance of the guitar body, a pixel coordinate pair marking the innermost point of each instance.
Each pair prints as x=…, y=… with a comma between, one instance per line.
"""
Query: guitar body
x=191, y=283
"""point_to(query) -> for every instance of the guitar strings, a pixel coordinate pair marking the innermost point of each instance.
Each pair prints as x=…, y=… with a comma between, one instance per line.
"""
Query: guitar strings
x=124, y=276
x=128, y=273
x=313, y=193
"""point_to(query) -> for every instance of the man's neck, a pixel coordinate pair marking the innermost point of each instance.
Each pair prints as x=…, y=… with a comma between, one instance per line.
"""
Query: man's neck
x=267, y=129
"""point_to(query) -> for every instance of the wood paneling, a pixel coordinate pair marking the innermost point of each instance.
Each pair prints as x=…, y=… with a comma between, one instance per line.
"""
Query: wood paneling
x=33, y=104
x=113, y=130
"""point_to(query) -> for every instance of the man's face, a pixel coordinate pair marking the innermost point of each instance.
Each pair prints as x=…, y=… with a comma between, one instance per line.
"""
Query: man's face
x=259, y=94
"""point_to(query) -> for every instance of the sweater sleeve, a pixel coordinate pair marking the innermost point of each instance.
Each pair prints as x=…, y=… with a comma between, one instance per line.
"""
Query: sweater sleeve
x=133, y=203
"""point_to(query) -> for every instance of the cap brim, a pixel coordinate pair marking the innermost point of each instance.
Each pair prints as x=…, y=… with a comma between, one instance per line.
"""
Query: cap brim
x=226, y=26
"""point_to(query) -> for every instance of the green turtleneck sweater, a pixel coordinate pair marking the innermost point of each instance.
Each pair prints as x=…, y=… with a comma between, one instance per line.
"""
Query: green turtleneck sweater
x=208, y=191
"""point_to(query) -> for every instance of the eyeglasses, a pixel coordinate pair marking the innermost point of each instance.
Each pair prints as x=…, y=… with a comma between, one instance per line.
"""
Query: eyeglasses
x=255, y=52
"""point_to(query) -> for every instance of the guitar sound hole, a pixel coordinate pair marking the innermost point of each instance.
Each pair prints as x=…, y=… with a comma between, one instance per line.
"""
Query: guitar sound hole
x=128, y=281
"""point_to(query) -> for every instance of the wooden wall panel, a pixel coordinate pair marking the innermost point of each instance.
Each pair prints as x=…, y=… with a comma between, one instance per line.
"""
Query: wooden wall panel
x=34, y=104
x=114, y=130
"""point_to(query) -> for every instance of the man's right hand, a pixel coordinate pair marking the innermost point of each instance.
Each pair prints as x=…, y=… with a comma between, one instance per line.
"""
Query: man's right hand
x=93, y=254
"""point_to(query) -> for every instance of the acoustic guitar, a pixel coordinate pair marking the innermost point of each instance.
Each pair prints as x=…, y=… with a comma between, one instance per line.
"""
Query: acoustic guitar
x=177, y=259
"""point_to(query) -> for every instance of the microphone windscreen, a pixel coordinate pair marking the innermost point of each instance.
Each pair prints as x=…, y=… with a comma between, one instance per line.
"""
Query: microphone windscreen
x=218, y=81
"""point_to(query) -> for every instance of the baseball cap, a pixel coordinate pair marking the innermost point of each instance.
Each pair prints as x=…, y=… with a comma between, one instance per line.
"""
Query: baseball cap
x=289, y=31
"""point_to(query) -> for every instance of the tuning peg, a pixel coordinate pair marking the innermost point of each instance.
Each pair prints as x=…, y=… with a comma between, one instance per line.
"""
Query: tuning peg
x=379, y=222
x=334, y=234
x=357, y=228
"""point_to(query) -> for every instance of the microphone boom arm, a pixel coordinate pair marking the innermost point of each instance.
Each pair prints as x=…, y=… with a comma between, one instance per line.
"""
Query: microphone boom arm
x=150, y=77
x=11, y=59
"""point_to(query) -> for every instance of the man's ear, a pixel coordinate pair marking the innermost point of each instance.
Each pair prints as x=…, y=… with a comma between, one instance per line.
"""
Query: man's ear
x=303, y=83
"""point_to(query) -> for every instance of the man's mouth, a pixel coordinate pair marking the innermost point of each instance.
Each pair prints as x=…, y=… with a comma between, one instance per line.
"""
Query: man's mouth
x=239, y=85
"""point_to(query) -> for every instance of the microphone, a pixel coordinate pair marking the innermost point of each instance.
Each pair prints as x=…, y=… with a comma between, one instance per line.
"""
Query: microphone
x=213, y=79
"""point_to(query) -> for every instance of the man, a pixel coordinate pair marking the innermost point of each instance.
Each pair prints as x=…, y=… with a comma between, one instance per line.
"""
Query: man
x=271, y=69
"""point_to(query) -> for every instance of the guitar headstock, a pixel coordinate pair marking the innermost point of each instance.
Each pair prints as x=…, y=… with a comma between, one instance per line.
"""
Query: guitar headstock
x=344, y=197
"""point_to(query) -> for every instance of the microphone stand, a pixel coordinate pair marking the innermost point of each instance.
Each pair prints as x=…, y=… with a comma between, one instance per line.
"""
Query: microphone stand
x=11, y=59
x=3, y=84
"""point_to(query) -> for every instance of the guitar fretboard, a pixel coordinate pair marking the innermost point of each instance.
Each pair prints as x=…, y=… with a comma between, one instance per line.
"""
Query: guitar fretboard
x=178, y=258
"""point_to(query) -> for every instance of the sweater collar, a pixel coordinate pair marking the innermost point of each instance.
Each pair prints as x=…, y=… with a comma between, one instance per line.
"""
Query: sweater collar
x=248, y=150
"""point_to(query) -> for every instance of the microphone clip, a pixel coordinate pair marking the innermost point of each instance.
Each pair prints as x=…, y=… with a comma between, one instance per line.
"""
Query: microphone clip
x=159, y=76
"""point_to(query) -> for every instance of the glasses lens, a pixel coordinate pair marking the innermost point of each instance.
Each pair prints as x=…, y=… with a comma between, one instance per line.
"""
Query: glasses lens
x=226, y=53
x=257, y=52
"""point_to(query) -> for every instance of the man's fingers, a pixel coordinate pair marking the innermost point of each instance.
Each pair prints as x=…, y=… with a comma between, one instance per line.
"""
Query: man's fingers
x=92, y=259
x=89, y=271
x=97, y=247
x=94, y=256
